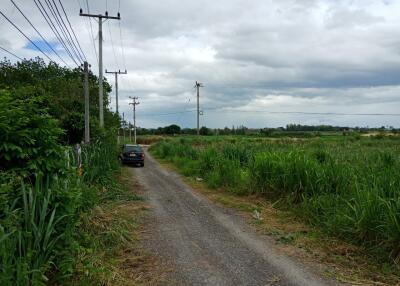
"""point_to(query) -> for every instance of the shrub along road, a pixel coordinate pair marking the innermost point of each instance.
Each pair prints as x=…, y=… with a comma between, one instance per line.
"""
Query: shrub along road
x=205, y=244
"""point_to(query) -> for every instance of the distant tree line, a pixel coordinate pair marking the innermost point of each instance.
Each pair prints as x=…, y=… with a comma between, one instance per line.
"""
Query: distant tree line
x=243, y=130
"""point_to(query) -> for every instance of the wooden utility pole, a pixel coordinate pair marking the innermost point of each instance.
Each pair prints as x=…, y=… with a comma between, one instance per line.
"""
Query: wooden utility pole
x=198, y=85
x=116, y=73
x=100, y=18
x=134, y=103
x=86, y=92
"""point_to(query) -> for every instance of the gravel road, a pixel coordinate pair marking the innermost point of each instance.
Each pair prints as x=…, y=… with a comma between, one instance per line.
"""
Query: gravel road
x=205, y=244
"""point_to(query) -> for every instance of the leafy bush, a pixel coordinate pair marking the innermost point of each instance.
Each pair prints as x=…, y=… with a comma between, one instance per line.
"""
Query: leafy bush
x=28, y=137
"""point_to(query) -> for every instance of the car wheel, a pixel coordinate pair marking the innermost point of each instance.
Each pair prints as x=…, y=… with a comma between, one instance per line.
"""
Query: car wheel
x=142, y=165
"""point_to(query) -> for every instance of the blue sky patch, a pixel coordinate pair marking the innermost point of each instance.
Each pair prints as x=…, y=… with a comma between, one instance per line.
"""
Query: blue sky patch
x=42, y=45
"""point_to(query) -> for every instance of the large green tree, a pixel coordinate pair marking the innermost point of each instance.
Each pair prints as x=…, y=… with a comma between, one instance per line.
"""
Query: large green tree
x=59, y=91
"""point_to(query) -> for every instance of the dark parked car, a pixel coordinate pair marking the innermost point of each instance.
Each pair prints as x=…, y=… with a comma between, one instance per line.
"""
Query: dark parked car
x=132, y=154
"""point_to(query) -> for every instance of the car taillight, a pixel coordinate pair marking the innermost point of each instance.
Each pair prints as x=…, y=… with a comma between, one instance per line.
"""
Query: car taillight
x=142, y=155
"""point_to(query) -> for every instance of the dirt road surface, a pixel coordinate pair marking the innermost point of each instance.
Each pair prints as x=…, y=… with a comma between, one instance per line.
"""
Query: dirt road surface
x=205, y=244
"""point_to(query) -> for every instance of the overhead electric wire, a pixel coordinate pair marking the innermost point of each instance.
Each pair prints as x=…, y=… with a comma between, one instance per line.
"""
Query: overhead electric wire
x=91, y=32
x=57, y=16
x=122, y=45
x=54, y=29
x=33, y=43
x=69, y=36
x=217, y=109
x=178, y=120
x=123, y=49
x=61, y=25
x=52, y=26
x=89, y=29
x=41, y=36
x=112, y=44
x=11, y=53
x=72, y=29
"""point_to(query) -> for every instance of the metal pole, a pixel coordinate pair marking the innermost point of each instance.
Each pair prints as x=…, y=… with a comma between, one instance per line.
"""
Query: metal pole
x=86, y=91
x=101, y=114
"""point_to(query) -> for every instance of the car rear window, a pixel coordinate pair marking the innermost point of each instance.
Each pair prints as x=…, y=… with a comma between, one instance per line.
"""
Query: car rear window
x=132, y=149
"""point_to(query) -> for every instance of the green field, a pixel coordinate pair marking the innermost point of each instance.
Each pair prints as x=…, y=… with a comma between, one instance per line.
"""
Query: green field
x=347, y=186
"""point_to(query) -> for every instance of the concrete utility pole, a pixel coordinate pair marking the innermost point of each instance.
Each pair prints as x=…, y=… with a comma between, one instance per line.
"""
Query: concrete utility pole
x=134, y=103
x=198, y=85
x=130, y=132
x=116, y=73
x=100, y=19
x=86, y=91
x=123, y=125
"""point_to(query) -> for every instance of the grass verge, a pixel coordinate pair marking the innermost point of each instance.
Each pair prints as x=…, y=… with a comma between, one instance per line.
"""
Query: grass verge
x=110, y=252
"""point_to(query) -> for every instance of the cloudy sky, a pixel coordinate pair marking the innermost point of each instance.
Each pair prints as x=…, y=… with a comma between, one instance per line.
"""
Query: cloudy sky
x=261, y=61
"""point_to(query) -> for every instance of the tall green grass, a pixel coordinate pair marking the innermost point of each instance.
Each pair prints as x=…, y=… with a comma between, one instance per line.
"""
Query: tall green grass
x=39, y=220
x=37, y=230
x=349, y=188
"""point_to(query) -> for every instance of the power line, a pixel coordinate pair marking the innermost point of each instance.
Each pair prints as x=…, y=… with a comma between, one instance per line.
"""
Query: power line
x=310, y=113
x=91, y=32
x=167, y=113
x=68, y=34
x=122, y=45
x=57, y=16
x=73, y=32
x=112, y=44
x=185, y=109
x=88, y=26
x=11, y=53
x=54, y=29
x=123, y=49
x=60, y=31
x=55, y=13
x=47, y=43
x=16, y=27
x=217, y=109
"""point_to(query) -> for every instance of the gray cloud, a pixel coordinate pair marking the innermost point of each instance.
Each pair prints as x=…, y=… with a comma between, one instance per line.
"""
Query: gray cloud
x=286, y=55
